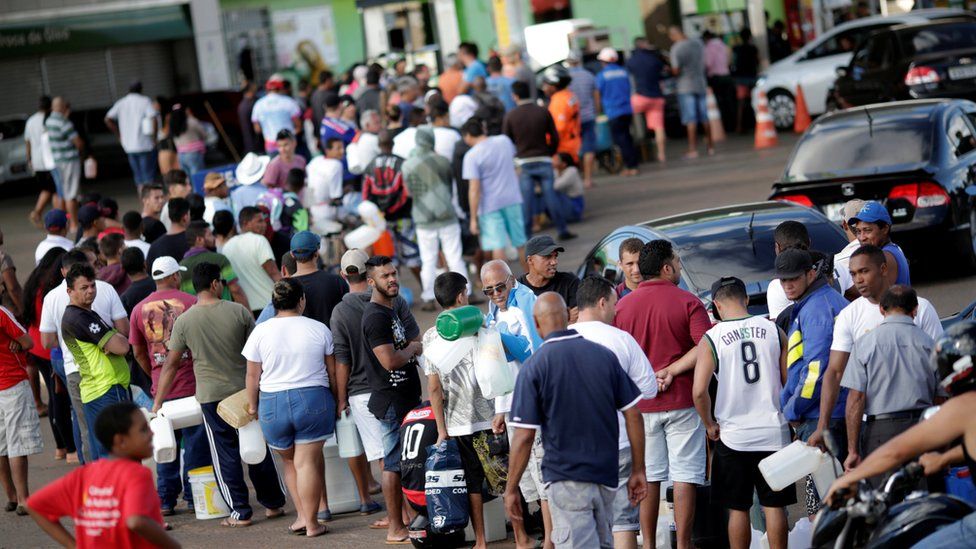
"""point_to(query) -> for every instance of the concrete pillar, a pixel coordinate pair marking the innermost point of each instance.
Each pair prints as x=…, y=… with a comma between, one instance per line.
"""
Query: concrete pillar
x=208, y=37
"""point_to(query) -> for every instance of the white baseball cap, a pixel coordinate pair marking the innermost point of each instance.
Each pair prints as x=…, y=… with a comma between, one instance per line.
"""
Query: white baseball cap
x=165, y=266
x=607, y=55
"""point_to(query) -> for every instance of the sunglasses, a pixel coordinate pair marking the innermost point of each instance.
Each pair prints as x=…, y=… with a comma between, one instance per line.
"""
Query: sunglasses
x=498, y=288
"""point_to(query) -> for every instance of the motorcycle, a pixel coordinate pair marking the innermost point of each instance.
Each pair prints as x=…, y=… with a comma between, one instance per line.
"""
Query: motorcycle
x=898, y=515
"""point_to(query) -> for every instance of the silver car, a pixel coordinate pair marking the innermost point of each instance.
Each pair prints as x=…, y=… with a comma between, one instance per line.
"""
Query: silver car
x=13, y=150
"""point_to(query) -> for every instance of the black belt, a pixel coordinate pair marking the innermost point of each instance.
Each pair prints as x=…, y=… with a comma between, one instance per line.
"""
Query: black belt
x=910, y=414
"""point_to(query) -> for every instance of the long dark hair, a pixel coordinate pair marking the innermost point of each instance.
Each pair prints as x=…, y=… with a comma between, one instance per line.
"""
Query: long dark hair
x=44, y=278
x=177, y=121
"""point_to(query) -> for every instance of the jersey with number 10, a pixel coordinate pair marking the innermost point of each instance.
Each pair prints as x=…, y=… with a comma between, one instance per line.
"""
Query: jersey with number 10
x=747, y=367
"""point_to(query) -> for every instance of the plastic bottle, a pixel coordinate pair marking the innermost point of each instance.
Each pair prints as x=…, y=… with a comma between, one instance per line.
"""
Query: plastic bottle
x=252, y=445
x=790, y=465
x=350, y=444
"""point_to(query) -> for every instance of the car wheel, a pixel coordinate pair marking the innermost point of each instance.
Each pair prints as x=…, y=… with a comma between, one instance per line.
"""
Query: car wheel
x=782, y=108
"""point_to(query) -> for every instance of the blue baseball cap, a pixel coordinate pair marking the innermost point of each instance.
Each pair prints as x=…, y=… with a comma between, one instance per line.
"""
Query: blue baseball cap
x=304, y=245
x=871, y=212
x=55, y=219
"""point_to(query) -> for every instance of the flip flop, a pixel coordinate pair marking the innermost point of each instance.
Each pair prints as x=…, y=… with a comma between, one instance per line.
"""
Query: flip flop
x=299, y=532
x=370, y=508
x=375, y=526
x=322, y=533
x=234, y=523
x=274, y=513
x=324, y=516
x=401, y=541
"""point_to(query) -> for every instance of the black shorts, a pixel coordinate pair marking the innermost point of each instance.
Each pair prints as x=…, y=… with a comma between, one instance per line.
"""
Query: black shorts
x=45, y=182
x=474, y=472
x=736, y=474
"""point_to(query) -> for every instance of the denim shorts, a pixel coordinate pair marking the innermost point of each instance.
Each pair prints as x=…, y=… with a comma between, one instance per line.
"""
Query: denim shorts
x=391, y=440
x=588, y=133
x=674, y=446
x=296, y=416
x=694, y=108
x=501, y=227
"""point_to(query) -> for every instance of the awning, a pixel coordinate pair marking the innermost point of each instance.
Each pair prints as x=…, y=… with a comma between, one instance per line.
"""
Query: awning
x=83, y=32
x=362, y=4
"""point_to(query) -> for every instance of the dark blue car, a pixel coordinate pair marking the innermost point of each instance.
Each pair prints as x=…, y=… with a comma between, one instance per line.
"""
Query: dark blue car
x=916, y=157
x=729, y=241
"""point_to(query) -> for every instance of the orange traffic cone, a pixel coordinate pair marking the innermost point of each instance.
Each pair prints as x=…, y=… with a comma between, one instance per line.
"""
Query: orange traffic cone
x=765, y=129
x=714, y=118
x=801, y=120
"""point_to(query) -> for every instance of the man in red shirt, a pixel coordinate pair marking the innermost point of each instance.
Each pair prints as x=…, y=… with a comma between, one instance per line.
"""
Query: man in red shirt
x=668, y=323
x=111, y=501
x=150, y=328
x=20, y=428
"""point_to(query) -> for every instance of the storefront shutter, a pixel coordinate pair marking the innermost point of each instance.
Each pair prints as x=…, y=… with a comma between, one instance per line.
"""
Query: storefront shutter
x=22, y=86
x=82, y=78
x=152, y=64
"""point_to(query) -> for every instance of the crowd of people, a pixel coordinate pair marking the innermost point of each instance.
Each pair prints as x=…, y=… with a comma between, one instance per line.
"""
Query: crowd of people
x=207, y=295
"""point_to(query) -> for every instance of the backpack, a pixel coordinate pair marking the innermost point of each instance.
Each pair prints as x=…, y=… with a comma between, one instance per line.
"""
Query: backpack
x=383, y=185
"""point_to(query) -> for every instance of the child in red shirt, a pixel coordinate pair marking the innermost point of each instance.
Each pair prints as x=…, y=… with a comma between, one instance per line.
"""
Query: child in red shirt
x=113, y=501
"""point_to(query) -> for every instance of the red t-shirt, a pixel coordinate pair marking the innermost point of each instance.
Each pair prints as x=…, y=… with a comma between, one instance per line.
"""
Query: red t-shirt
x=100, y=497
x=151, y=326
x=667, y=322
x=13, y=366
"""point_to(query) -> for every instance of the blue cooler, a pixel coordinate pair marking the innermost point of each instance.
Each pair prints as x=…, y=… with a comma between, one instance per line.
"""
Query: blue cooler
x=603, y=140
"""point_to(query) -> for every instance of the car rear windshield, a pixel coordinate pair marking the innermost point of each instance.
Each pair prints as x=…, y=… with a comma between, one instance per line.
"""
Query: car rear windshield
x=858, y=145
x=939, y=38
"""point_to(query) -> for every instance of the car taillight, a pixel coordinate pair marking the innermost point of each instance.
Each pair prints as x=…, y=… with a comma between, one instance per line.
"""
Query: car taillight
x=921, y=75
x=921, y=195
x=800, y=199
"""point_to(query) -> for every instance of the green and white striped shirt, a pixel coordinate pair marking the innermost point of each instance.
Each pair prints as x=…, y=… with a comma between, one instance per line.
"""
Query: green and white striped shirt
x=61, y=133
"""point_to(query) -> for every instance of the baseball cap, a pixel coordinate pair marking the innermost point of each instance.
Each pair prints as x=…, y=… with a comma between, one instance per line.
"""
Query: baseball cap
x=872, y=212
x=304, y=245
x=212, y=181
x=87, y=215
x=542, y=244
x=793, y=262
x=354, y=259
x=852, y=206
x=55, y=219
x=275, y=82
x=165, y=266
x=726, y=281
x=607, y=55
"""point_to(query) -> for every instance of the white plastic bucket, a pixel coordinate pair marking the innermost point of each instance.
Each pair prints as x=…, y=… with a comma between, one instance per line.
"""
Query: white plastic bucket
x=164, y=440
x=252, y=445
x=207, y=501
x=182, y=412
x=350, y=444
x=790, y=465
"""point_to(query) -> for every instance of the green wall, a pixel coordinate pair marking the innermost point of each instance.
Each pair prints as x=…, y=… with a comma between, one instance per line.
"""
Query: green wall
x=614, y=14
x=349, y=28
x=476, y=23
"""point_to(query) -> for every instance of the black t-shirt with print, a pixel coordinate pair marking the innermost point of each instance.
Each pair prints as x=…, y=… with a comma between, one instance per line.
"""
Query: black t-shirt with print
x=564, y=284
x=399, y=388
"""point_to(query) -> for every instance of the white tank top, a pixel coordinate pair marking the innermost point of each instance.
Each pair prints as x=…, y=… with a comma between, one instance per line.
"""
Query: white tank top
x=747, y=406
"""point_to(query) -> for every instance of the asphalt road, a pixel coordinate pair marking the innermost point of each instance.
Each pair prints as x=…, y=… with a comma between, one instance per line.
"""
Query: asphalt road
x=737, y=174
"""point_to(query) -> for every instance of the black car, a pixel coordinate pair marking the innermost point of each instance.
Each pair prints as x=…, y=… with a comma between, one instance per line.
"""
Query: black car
x=729, y=241
x=917, y=157
x=919, y=61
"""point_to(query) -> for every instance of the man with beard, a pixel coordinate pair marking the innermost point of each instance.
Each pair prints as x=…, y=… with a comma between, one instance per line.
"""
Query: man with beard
x=200, y=238
x=393, y=379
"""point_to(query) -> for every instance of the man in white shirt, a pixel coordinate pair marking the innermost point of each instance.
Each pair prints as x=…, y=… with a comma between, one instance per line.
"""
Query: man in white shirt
x=251, y=257
x=324, y=191
x=597, y=300
x=869, y=269
x=366, y=146
x=107, y=305
x=56, y=225
x=40, y=160
x=747, y=357
x=133, y=119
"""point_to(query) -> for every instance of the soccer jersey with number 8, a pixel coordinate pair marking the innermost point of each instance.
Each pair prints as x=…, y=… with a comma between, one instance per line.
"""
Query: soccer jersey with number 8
x=747, y=405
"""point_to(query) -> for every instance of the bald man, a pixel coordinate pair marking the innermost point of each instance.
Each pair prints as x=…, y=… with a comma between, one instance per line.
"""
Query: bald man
x=510, y=311
x=571, y=390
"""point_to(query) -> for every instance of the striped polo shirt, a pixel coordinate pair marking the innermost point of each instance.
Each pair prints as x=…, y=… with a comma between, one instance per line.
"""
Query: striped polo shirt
x=61, y=132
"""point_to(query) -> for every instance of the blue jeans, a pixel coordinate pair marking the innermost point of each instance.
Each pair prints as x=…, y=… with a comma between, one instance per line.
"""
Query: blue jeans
x=958, y=534
x=191, y=162
x=693, y=107
x=530, y=174
x=116, y=393
x=620, y=133
x=143, y=166
x=196, y=453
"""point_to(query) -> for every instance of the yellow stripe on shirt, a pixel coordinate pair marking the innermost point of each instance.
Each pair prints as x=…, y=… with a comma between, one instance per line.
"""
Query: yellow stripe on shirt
x=810, y=383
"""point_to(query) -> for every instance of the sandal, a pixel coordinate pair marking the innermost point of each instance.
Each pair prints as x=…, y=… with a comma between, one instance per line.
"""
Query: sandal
x=22, y=511
x=235, y=523
x=10, y=507
x=324, y=516
x=376, y=525
x=369, y=508
x=321, y=532
x=298, y=531
x=274, y=513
